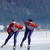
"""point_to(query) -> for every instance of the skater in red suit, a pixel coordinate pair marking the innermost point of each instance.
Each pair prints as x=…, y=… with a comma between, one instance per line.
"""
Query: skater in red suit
x=13, y=29
x=28, y=31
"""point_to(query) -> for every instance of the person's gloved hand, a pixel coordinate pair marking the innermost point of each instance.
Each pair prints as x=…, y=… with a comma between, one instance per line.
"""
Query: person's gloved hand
x=8, y=32
x=11, y=33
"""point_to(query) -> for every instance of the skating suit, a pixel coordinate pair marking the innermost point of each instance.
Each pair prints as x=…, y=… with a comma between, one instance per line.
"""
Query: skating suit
x=28, y=30
x=13, y=30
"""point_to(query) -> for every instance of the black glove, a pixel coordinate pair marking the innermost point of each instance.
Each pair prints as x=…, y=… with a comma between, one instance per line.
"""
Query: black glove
x=11, y=33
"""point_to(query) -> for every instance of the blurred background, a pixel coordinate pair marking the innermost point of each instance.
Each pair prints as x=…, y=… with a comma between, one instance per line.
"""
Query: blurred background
x=22, y=10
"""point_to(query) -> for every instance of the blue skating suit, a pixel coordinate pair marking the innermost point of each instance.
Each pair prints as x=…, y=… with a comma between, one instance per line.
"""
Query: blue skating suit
x=28, y=31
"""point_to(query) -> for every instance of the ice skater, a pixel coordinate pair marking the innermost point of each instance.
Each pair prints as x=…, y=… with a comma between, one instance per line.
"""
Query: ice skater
x=28, y=31
x=13, y=29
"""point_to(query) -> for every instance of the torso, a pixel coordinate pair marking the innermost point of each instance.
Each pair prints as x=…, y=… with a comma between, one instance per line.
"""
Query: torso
x=14, y=28
x=29, y=27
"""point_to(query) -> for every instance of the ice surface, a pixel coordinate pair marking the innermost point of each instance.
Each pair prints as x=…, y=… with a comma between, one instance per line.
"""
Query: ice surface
x=38, y=46
x=39, y=41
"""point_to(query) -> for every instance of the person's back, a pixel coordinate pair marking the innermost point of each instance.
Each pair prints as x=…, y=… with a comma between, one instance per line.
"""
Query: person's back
x=28, y=31
x=30, y=25
x=13, y=29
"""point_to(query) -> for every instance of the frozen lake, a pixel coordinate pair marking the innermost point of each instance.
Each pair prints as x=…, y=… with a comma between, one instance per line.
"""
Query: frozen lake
x=40, y=41
x=41, y=46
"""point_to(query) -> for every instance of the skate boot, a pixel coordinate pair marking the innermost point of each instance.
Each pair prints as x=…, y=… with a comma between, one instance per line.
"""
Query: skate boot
x=14, y=47
x=28, y=48
x=3, y=45
x=21, y=44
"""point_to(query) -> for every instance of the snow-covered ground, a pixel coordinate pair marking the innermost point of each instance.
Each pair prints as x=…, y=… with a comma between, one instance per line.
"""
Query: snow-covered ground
x=40, y=40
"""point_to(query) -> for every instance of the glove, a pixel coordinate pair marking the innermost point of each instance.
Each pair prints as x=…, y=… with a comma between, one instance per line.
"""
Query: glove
x=11, y=33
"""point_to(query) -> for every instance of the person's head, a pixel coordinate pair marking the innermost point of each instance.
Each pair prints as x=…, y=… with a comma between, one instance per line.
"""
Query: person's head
x=13, y=21
x=30, y=20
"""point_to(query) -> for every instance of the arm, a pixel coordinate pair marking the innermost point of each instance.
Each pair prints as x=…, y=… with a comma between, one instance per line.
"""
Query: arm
x=9, y=28
x=34, y=25
x=26, y=23
x=19, y=26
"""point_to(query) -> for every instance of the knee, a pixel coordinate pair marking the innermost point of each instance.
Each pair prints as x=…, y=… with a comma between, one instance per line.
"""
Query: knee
x=7, y=38
x=24, y=38
x=14, y=38
x=29, y=38
x=15, y=41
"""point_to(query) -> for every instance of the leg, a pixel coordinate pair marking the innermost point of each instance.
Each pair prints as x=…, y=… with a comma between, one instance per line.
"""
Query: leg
x=25, y=36
x=9, y=36
x=15, y=35
x=29, y=38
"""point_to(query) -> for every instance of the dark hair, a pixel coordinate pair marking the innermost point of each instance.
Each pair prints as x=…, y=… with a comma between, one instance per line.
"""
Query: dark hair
x=13, y=20
x=30, y=20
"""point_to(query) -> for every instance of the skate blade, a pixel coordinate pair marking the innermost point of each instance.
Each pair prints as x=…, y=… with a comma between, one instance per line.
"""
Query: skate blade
x=1, y=46
x=13, y=48
x=28, y=48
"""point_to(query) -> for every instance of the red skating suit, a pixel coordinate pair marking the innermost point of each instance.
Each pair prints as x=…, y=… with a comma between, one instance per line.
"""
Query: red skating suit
x=17, y=27
x=30, y=26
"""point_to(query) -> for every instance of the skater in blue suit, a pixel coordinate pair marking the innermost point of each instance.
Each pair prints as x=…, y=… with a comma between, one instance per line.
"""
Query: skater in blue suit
x=28, y=31
x=13, y=29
